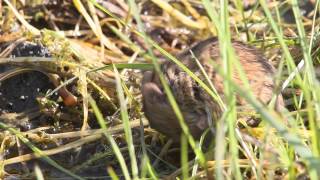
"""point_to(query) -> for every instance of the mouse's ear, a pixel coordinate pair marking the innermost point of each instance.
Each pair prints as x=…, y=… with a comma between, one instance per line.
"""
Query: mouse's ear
x=147, y=77
x=152, y=94
x=205, y=52
x=150, y=90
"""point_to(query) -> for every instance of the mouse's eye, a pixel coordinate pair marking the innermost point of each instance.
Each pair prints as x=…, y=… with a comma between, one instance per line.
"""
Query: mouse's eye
x=196, y=91
x=252, y=81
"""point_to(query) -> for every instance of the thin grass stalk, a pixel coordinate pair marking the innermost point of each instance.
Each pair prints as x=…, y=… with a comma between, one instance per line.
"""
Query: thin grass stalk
x=2, y=150
x=249, y=153
x=311, y=43
x=125, y=121
x=106, y=42
x=103, y=92
x=313, y=26
x=31, y=28
x=38, y=151
x=214, y=96
x=291, y=172
x=281, y=63
x=180, y=16
x=163, y=52
x=270, y=117
x=244, y=145
x=207, y=78
x=312, y=82
x=38, y=173
x=184, y=157
x=271, y=121
x=312, y=85
x=167, y=90
x=140, y=66
x=83, y=88
x=111, y=140
x=239, y=6
x=151, y=172
x=220, y=135
x=126, y=39
x=227, y=55
x=96, y=157
x=98, y=28
x=132, y=46
x=305, y=153
x=146, y=166
x=279, y=36
x=234, y=61
x=112, y=174
x=196, y=161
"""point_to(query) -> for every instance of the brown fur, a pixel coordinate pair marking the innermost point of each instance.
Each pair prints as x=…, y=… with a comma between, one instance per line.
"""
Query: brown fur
x=193, y=101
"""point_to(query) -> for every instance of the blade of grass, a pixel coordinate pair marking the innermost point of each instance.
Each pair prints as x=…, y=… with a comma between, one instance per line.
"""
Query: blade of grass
x=146, y=166
x=2, y=151
x=229, y=60
x=179, y=16
x=207, y=78
x=96, y=29
x=83, y=88
x=111, y=140
x=112, y=174
x=227, y=54
x=167, y=90
x=141, y=66
x=305, y=153
x=103, y=92
x=270, y=117
x=163, y=52
x=38, y=173
x=125, y=121
x=273, y=123
x=279, y=36
x=31, y=28
x=311, y=82
x=184, y=157
x=38, y=152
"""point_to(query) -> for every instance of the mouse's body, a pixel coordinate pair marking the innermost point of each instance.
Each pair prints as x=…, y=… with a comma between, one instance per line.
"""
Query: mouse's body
x=195, y=104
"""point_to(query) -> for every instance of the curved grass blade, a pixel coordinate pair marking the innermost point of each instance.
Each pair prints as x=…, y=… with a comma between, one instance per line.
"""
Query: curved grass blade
x=38, y=152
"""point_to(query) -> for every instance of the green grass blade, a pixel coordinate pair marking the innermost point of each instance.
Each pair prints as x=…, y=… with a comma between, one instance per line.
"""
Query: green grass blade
x=167, y=90
x=38, y=152
x=184, y=157
x=125, y=121
x=311, y=84
x=111, y=140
